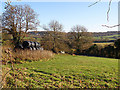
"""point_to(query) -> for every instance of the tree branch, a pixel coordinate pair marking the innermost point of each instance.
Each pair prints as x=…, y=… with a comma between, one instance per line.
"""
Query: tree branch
x=94, y=3
x=111, y=26
x=109, y=10
x=5, y=76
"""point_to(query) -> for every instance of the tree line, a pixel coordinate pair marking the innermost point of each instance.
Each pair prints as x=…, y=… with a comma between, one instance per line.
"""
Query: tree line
x=78, y=41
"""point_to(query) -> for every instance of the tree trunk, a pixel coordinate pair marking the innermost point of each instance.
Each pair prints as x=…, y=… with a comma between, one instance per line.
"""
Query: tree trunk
x=16, y=40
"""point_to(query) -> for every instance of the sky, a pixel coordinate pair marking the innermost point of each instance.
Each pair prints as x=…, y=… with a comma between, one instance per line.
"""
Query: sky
x=75, y=13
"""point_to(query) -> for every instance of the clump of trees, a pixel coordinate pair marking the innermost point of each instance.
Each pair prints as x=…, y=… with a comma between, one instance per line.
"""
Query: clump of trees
x=110, y=51
x=57, y=40
x=78, y=41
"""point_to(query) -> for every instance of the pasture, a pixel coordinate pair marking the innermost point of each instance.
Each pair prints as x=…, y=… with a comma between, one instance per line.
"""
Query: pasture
x=104, y=44
x=109, y=37
x=67, y=71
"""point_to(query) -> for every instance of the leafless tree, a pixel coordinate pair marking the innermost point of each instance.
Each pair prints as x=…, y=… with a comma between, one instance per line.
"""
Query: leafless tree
x=80, y=37
x=55, y=31
x=17, y=20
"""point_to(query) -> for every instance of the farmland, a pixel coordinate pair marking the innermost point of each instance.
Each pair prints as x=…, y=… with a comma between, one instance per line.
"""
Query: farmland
x=104, y=44
x=67, y=71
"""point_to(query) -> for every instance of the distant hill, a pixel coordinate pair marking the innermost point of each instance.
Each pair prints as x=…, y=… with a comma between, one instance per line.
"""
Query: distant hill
x=108, y=33
x=108, y=36
x=40, y=33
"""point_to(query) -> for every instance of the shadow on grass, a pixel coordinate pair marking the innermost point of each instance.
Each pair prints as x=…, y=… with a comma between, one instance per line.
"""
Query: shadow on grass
x=43, y=72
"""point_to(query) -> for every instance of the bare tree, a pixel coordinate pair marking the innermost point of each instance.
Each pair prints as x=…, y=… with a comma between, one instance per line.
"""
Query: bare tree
x=80, y=37
x=54, y=30
x=17, y=20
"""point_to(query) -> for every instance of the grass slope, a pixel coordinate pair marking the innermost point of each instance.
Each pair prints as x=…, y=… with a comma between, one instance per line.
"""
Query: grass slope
x=70, y=72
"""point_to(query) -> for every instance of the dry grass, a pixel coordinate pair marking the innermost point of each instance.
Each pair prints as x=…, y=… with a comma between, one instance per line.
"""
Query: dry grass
x=103, y=44
x=22, y=55
x=33, y=55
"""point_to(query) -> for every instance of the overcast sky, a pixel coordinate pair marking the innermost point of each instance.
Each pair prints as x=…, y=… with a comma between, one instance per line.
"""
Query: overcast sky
x=76, y=13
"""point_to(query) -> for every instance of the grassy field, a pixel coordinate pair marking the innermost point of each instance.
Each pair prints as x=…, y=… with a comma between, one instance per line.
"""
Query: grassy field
x=67, y=71
x=111, y=37
x=104, y=44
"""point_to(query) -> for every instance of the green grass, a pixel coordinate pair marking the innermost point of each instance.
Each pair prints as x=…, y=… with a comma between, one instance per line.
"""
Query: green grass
x=26, y=37
x=70, y=72
x=104, y=44
x=111, y=37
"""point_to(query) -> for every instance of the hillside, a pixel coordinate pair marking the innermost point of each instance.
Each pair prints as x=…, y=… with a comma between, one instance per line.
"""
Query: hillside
x=106, y=36
x=67, y=71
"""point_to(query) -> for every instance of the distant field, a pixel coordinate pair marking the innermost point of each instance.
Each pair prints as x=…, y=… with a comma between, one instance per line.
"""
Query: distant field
x=117, y=35
x=70, y=72
x=103, y=44
x=111, y=37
